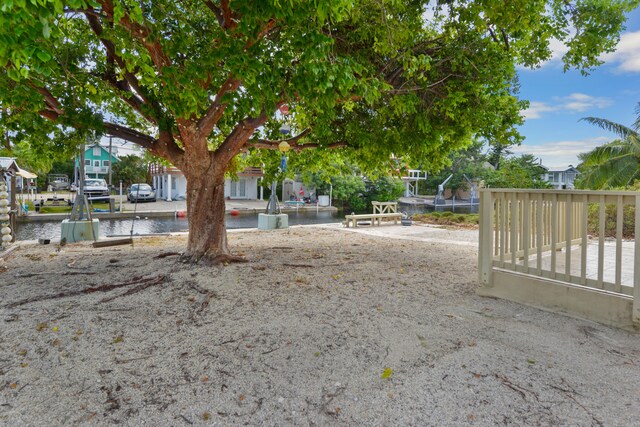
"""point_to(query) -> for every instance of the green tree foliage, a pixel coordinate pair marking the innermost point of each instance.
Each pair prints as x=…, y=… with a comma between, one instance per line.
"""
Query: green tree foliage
x=518, y=172
x=199, y=81
x=348, y=192
x=616, y=164
x=515, y=172
x=130, y=169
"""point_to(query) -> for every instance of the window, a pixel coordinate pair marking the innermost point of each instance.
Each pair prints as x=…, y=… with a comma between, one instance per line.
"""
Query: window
x=105, y=163
x=97, y=151
x=96, y=163
x=87, y=162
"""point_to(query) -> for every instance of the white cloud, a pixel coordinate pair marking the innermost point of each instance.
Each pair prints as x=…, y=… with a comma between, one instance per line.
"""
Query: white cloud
x=580, y=102
x=536, y=109
x=573, y=103
x=560, y=153
x=558, y=49
x=627, y=54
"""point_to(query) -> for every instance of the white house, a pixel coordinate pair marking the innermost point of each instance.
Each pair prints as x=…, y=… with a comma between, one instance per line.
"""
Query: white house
x=561, y=178
x=171, y=184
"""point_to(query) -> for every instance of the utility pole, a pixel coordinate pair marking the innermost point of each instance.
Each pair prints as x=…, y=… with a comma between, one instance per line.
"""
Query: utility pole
x=110, y=163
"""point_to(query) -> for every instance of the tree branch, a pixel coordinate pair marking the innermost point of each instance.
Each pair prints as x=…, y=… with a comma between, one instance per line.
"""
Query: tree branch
x=268, y=27
x=292, y=140
x=296, y=147
x=208, y=121
x=227, y=14
x=140, y=32
x=132, y=87
x=238, y=137
x=130, y=135
x=216, y=11
x=505, y=38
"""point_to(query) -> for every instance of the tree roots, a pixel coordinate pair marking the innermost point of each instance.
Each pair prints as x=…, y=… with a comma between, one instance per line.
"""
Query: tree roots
x=143, y=282
x=212, y=260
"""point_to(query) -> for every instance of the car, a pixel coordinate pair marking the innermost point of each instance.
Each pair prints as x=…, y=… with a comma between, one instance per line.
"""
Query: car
x=96, y=189
x=141, y=193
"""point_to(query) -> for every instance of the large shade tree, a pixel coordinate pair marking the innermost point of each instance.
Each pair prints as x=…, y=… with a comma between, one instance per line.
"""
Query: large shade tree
x=198, y=82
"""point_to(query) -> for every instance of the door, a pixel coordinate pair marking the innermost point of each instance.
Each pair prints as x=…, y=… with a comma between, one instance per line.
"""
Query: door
x=238, y=189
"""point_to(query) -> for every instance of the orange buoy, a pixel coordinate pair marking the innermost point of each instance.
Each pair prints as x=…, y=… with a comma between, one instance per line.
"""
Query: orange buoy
x=234, y=212
x=180, y=214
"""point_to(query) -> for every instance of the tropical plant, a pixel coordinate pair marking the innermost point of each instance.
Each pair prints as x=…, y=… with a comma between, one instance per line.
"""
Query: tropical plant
x=615, y=164
x=198, y=82
x=130, y=169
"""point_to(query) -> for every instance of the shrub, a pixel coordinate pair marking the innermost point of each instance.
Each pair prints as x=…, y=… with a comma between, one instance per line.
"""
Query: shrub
x=610, y=220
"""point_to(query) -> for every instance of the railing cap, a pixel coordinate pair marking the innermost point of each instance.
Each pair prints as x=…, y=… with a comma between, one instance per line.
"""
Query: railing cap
x=572, y=192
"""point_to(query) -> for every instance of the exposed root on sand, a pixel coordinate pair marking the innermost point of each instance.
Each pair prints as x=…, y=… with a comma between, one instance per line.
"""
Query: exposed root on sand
x=212, y=260
x=144, y=282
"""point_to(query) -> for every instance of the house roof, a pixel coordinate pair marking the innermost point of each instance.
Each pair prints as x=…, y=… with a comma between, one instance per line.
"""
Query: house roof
x=26, y=174
x=8, y=164
x=114, y=149
x=562, y=169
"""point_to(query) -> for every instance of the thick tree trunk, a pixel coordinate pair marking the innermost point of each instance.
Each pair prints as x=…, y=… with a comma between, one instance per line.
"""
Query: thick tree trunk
x=206, y=214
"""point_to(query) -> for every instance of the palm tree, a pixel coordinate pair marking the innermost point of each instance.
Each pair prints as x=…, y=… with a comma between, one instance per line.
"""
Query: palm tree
x=615, y=164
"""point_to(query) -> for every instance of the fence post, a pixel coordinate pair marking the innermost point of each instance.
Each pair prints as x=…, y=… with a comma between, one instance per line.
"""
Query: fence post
x=636, y=265
x=485, y=252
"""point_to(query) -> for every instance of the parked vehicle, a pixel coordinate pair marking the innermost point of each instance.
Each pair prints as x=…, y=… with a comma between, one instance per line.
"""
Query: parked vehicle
x=57, y=182
x=141, y=193
x=96, y=189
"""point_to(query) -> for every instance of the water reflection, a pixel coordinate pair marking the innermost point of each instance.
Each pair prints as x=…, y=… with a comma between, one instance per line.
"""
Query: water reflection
x=120, y=227
x=123, y=227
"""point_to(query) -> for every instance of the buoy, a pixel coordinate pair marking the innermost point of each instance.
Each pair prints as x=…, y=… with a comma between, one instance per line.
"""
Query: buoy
x=234, y=212
x=180, y=214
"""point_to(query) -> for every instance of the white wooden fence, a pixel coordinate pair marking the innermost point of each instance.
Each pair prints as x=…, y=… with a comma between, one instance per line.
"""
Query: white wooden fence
x=535, y=248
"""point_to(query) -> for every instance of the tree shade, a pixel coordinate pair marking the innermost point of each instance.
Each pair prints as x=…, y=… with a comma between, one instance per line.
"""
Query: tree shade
x=198, y=82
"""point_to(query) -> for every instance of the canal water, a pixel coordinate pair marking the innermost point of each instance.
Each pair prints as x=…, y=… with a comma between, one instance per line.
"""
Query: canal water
x=122, y=227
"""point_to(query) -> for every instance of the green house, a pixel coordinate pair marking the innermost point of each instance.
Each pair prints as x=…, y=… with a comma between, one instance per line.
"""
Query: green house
x=97, y=162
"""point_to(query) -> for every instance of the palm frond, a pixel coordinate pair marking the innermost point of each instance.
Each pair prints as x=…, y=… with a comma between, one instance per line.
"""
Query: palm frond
x=610, y=152
x=610, y=126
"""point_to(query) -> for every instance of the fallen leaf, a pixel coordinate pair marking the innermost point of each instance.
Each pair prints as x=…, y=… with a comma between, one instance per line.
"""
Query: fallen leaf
x=206, y=416
x=42, y=326
x=241, y=397
x=13, y=385
x=22, y=352
x=531, y=361
x=387, y=373
x=118, y=339
x=205, y=379
x=24, y=365
x=55, y=329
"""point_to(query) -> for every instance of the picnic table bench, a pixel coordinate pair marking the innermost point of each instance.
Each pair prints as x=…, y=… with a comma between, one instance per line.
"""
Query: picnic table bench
x=381, y=211
x=374, y=218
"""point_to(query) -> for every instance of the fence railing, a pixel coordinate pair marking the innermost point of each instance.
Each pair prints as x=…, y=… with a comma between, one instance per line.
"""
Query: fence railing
x=581, y=238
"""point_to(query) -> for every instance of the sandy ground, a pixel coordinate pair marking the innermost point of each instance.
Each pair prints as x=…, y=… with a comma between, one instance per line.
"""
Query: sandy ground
x=323, y=326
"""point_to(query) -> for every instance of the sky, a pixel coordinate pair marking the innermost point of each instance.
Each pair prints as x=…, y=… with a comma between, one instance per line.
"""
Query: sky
x=553, y=131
